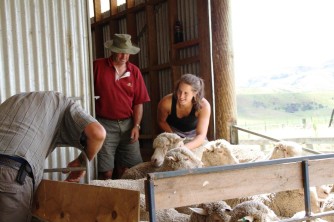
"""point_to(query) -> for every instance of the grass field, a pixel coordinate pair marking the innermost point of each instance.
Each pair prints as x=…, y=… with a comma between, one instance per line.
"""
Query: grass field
x=286, y=114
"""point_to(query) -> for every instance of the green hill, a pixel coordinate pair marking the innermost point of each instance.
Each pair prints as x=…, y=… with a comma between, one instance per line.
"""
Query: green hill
x=258, y=105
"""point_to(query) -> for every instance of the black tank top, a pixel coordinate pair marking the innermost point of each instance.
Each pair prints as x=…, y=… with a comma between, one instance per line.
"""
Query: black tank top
x=184, y=124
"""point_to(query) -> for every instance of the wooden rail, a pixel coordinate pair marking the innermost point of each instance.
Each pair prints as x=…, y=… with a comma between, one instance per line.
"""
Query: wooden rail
x=186, y=187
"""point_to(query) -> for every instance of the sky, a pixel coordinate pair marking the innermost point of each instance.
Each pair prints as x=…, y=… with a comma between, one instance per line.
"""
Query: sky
x=104, y=6
x=274, y=34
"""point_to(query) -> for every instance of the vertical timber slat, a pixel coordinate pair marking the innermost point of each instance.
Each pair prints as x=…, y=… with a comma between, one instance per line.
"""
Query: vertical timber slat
x=226, y=113
x=205, y=63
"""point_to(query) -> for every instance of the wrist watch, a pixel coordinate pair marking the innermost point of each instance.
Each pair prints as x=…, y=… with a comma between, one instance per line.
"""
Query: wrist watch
x=137, y=125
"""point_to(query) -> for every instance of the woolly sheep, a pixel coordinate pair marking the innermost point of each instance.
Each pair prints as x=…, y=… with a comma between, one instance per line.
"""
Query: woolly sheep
x=162, y=143
x=218, y=153
x=287, y=203
x=139, y=171
x=176, y=159
x=252, y=211
x=285, y=149
x=247, y=153
x=211, y=212
x=137, y=185
x=328, y=205
x=163, y=215
x=180, y=158
x=284, y=203
x=236, y=153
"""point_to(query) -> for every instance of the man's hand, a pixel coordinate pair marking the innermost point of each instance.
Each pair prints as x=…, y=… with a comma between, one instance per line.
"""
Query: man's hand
x=75, y=176
x=134, y=134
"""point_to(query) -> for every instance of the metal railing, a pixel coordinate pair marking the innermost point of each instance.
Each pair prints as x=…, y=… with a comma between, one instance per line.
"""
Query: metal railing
x=152, y=187
x=235, y=138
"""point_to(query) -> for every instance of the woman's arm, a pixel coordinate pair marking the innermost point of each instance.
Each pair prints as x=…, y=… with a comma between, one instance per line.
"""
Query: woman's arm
x=164, y=109
x=202, y=125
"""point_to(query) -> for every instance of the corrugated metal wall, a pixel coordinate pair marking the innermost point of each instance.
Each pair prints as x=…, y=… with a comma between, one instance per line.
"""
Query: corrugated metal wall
x=45, y=45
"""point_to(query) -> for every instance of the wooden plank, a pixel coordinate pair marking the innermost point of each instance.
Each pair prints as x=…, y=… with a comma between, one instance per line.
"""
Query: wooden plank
x=199, y=188
x=63, y=201
x=321, y=172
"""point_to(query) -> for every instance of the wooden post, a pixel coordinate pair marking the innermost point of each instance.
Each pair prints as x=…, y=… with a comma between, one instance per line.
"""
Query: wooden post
x=153, y=60
x=225, y=96
x=205, y=60
x=174, y=53
x=99, y=48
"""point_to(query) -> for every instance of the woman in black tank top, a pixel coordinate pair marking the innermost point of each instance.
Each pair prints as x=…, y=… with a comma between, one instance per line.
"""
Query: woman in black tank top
x=186, y=112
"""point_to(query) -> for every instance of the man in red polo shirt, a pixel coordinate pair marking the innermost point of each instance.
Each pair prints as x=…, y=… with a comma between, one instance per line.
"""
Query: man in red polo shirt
x=121, y=90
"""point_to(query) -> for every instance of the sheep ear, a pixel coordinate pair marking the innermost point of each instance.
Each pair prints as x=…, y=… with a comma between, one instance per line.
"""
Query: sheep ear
x=177, y=140
x=199, y=211
x=171, y=158
x=209, y=148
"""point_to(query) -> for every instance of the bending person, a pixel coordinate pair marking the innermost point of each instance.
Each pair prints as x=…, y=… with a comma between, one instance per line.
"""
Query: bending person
x=186, y=112
x=32, y=125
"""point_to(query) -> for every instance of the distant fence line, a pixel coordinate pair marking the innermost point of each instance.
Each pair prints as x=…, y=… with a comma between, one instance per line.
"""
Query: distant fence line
x=320, y=144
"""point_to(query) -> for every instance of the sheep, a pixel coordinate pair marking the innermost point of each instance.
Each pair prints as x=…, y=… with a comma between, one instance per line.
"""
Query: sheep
x=139, y=171
x=180, y=158
x=162, y=143
x=247, y=153
x=252, y=211
x=287, y=203
x=284, y=203
x=328, y=205
x=176, y=159
x=163, y=215
x=218, y=153
x=285, y=149
x=211, y=212
x=137, y=185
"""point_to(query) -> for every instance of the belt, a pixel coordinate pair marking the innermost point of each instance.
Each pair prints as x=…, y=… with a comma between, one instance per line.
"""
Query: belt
x=115, y=120
x=19, y=164
x=119, y=120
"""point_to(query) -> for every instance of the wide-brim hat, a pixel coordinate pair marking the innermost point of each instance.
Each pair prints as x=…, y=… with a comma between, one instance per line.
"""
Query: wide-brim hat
x=121, y=43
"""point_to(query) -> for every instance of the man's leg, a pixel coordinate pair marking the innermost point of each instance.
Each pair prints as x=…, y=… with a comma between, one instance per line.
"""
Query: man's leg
x=15, y=199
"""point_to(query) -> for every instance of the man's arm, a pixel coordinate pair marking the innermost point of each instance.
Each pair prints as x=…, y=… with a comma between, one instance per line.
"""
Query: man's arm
x=95, y=134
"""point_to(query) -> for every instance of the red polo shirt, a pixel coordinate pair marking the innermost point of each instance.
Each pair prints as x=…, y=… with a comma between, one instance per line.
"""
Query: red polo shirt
x=117, y=97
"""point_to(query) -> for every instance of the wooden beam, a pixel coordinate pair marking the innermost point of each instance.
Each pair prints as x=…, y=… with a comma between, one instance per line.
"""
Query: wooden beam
x=229, y=183
x=63, y=201
x=97, y=10
x=113, y=7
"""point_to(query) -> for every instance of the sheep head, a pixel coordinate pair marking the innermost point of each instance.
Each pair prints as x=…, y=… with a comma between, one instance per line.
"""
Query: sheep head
x=252, y=211
x=162, y=143
x=285, y=149
x=214, y=211
x=180, y=158
x=218, y=153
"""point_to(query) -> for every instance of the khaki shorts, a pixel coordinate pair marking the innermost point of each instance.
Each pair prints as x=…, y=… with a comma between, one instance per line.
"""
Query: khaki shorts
x=15, y=199
x=117, y=147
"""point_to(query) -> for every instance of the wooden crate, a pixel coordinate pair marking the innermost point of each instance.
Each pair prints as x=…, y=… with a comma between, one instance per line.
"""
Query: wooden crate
x=62, y=201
